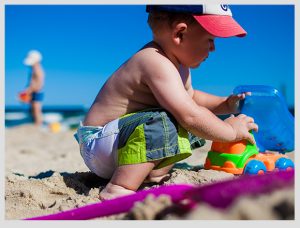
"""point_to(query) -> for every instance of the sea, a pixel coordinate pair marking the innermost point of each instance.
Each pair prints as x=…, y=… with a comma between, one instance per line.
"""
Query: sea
x=68, y=117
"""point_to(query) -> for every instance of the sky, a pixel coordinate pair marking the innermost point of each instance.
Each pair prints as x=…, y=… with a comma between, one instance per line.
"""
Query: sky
x=82, y=45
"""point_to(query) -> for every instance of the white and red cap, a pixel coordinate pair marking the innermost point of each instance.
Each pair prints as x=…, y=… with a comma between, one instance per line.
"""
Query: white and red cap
x=215, y=19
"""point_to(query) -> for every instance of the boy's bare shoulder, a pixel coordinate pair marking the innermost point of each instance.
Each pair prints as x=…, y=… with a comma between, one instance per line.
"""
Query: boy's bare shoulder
x=152, y=57
x=152, y=61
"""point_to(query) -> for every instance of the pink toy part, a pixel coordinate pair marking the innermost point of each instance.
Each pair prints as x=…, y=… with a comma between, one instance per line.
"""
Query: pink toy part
x=220, y=195
x=117, y=205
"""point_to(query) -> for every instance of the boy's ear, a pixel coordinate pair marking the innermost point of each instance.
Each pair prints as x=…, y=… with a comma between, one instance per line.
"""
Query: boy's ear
x=178, y=32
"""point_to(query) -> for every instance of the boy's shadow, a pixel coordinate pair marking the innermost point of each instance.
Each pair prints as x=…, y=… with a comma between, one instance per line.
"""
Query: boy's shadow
x=81, y=182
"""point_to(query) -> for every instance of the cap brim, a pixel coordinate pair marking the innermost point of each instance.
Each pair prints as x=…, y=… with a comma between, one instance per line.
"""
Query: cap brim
x=29, y=61
x=220, y=25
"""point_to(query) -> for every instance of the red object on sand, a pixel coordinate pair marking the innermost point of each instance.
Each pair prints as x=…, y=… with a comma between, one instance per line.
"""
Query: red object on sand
x=24, y=97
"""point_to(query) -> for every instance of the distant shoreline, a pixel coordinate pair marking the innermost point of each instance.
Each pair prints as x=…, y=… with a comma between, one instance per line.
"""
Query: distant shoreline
x=68, y=115
x=46, y=108
x=71, y=108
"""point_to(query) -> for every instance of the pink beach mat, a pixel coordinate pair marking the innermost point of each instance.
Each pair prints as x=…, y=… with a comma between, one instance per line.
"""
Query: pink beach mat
x=219, y=194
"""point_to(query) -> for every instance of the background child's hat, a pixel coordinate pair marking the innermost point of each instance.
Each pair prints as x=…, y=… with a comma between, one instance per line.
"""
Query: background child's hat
x=215, y=19
x=32, y=57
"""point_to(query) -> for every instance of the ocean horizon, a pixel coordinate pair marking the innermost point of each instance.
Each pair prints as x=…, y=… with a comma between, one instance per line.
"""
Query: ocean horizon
x=67, y=115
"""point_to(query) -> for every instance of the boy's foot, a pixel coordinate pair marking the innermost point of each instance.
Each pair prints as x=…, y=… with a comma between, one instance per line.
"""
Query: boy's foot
x=157, y=179
x=112, y=191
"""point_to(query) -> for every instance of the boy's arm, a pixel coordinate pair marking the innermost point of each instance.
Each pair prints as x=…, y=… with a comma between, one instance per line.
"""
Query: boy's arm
x=216, y=104
x=165, y=83
x=219, y=105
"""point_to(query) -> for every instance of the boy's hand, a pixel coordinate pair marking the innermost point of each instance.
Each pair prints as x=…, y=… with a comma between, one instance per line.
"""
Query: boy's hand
x=233, y=101
x=241, y=125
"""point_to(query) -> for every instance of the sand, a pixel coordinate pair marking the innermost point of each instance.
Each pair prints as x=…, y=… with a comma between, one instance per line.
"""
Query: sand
x=44, y=174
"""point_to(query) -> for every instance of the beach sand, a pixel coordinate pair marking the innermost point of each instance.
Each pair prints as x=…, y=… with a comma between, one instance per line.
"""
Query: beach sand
x=44, y=174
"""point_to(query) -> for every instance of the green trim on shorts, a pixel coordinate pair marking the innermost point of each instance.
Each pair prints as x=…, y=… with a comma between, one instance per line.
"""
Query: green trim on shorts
x=132, y=142
x=152, y=135
x=135, y=149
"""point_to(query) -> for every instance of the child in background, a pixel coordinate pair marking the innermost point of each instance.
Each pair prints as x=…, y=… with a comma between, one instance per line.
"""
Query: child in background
x=33, y=93
x=142, y=119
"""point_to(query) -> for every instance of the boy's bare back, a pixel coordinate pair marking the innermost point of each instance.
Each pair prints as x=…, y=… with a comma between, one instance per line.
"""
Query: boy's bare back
x=127, y=90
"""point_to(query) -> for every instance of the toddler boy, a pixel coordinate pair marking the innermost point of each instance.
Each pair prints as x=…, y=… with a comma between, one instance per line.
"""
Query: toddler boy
x=141, y=121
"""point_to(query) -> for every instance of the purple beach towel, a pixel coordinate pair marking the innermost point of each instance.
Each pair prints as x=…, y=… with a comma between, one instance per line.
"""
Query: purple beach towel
x=220, y=194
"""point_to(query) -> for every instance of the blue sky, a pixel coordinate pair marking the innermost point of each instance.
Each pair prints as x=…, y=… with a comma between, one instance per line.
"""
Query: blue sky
x=83, y=45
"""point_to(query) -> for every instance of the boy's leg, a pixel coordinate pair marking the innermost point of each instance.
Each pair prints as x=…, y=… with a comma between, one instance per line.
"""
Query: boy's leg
x=37, y=112
x=159, y=174
x=163, y=139
x=127, y=179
